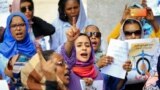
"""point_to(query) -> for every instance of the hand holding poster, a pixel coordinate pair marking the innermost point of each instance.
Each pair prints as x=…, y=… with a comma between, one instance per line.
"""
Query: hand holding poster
x=143, y=54
x=96, y=85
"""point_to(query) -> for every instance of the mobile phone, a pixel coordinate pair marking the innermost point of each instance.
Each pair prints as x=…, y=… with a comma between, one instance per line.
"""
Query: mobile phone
x=138, y=12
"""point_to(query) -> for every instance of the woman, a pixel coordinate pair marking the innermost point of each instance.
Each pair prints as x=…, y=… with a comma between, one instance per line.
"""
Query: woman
x=16, y=37
x=101, y=60
x=46, y=71
x=79, y=55
x=68, y=9
x=149, y=24
x=16, y=41
x=38, y=27
x=132, y=29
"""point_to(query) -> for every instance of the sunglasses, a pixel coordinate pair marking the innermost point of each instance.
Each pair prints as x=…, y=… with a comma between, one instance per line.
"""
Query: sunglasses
x=96, y=34
x=137, y=32
x=24, y=9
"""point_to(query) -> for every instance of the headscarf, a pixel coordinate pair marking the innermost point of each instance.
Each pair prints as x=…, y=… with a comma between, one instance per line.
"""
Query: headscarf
x=31, y=74
x=122, y=36
x=10, y=46
x=82, y=18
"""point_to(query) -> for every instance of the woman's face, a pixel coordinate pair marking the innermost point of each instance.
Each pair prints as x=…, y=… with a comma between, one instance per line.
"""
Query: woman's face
x=62, y=70
x=18, y=28
x=27, y=9
x=83, y=48
x=132, y=31
x=72, y=9
x=95, y=37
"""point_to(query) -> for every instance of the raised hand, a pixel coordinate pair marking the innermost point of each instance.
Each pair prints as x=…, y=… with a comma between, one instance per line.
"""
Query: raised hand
x=48, y=67
x=126, y=13
x=73, y=32
x=88, y=81
x=150, y=15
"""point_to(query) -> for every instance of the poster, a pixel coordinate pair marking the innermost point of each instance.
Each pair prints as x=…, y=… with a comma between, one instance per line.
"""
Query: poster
x=143, y=54
x=119, y=52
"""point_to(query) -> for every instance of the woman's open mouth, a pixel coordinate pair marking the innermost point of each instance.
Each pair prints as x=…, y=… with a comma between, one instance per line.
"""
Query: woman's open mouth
x=94, y=44
x=84, y=55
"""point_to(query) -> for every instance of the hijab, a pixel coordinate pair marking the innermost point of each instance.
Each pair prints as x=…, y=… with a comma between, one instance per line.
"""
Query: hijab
x=122, y=35
x=10, y=46
x=82, y=18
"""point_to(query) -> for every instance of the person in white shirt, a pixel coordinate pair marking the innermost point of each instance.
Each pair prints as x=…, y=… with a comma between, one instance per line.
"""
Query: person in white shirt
x=67, y=10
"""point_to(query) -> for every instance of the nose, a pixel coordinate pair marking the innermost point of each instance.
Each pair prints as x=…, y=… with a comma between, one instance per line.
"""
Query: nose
x=73, y=10
x=18, y=27
x=66, y=66
x=27, y=9
x=84, y=47
x=93, y=37
x=133, y=36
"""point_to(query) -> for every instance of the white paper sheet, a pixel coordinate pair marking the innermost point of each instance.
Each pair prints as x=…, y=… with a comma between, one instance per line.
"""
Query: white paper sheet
x=3, y=85
x=97, y=85
x=119, y=51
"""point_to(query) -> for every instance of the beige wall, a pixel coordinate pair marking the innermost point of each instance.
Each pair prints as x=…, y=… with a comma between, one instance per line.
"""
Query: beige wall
x=47, y=9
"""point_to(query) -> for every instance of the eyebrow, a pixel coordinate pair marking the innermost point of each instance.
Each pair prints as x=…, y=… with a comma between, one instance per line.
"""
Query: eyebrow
x=85, y=43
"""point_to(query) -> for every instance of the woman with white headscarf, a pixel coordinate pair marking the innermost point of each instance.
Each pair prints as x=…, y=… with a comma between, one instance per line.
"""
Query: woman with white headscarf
x=68, y=9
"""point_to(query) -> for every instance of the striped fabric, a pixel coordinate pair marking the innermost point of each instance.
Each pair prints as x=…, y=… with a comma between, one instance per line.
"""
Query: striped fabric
x=32, y=76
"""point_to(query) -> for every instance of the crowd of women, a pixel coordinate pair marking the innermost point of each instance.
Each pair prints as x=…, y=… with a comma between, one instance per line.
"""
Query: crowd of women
x=76, y=48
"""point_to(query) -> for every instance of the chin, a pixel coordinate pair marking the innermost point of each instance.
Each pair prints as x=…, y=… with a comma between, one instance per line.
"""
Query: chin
x=19, y=39
x=84, y=60
x=66, y=82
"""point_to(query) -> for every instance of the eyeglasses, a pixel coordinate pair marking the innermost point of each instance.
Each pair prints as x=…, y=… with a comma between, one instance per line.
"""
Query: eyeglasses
x=96, y=34
x=137, y=32
x=23, y=9
x=17, y=25
x=61, y=63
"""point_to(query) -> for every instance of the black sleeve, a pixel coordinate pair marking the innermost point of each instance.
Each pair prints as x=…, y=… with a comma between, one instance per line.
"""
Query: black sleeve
x=51, y=85
x=43, y=27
